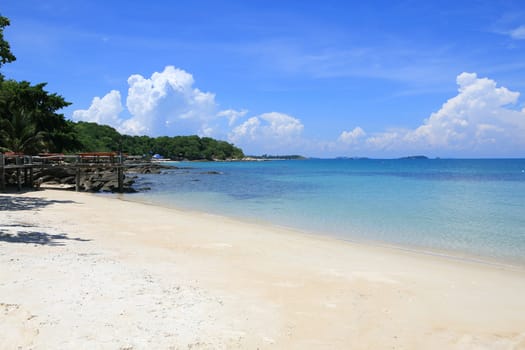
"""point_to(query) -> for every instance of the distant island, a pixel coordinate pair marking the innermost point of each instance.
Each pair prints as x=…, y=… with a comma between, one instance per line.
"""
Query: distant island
x=414, y=157
x=351, y=158
x=418, y=157
x=276, y=157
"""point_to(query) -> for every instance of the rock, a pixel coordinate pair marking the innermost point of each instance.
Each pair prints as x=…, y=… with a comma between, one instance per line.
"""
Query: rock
x=110, y=186
x=91, y=180
x=91, y=186
x=68, y=180
x=46, y=178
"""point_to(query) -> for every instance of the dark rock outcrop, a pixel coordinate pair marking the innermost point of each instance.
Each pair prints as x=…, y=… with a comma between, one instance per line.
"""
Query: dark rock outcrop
x=92, y=178
x=95, y=179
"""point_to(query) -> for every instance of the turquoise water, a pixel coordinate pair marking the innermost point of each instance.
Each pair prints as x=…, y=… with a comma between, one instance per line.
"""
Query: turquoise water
x=467, y=208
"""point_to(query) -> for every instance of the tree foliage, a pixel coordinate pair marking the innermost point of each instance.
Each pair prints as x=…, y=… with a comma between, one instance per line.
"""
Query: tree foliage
x=6, y=55
x=41, y=108
x=19, y=133
x=96, y=138
x=103, y=138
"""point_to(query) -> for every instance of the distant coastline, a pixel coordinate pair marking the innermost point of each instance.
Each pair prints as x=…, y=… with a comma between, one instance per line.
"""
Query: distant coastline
x=414, y=157
x=275, y=157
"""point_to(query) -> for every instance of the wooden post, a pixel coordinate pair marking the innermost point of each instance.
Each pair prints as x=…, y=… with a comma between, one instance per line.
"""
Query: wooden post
x=77, y=175
x=120, y=174
x=18, y=173
x=26, y=174
x=2, y=172
x=31, y=179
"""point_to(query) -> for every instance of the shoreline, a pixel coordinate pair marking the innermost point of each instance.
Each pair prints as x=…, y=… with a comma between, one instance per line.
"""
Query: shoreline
x=453, y=255
x=94, y=271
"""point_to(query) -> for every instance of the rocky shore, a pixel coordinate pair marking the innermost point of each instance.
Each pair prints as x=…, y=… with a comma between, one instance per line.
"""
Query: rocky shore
x=103, y=179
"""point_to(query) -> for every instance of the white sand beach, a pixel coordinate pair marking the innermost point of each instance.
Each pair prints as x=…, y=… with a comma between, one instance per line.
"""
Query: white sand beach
x=81, y=271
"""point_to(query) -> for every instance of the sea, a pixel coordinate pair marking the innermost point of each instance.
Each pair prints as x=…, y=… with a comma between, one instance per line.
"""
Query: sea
x=460, y=208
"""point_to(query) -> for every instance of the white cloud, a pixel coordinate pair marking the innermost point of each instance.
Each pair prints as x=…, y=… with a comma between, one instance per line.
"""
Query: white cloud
x=518, y=33
x=269, y=132
x=481, y=120
x=385, y=140
x=282, y=125
x=167, y=103
x=105, y=110
x=352, y=137
x=232, y=115
x=478, y=120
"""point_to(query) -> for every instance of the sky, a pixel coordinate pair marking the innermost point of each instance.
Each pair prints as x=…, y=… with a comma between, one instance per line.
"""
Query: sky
x=317, y=78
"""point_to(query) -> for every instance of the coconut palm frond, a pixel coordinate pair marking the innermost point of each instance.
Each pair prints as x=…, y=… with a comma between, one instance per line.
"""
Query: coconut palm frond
x=19, y=133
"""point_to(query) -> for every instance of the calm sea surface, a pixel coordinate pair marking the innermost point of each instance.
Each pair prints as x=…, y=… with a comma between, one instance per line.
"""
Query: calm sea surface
x=466, y=208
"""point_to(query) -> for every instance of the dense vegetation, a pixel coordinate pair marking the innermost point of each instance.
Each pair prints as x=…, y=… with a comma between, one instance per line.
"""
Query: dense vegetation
x=103, y=138
x=30, y=124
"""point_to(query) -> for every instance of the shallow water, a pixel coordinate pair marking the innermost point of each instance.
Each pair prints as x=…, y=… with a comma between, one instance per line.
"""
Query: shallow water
x=472, y=208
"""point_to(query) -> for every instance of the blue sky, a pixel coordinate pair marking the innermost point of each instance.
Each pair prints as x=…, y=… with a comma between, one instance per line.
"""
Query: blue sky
x=319, y=78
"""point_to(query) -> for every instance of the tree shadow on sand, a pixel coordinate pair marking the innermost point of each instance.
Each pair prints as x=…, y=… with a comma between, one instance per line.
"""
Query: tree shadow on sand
x=14, y=203
x=35, y=237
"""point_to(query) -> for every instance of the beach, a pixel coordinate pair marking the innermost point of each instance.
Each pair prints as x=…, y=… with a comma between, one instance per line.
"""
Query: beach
x=88, y=271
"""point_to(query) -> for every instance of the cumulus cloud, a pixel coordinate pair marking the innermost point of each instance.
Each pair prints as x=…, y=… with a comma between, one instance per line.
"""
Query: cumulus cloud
x=352, y=137
x=232, y=115
x=269, y=131
x=105, y=110
x=476, y=121
x=166, y=103
x=481, y=120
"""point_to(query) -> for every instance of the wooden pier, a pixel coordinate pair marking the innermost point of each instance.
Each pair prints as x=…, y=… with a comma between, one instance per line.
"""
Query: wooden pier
x=24, y=167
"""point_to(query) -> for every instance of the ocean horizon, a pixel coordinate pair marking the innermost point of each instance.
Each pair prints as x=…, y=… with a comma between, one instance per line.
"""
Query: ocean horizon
x=466, y=208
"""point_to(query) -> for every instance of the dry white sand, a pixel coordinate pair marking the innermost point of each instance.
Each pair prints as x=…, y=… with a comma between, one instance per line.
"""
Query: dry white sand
x=79, y=271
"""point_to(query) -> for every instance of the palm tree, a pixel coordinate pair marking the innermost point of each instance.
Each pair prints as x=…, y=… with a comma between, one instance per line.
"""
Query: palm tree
x=19, y=132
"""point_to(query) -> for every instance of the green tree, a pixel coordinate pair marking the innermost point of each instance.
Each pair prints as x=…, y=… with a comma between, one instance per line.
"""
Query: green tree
x=137, y=145
x=19, y=133
x=42, y=107
x=103, y=138
x=97, y=138
x=6, y=56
